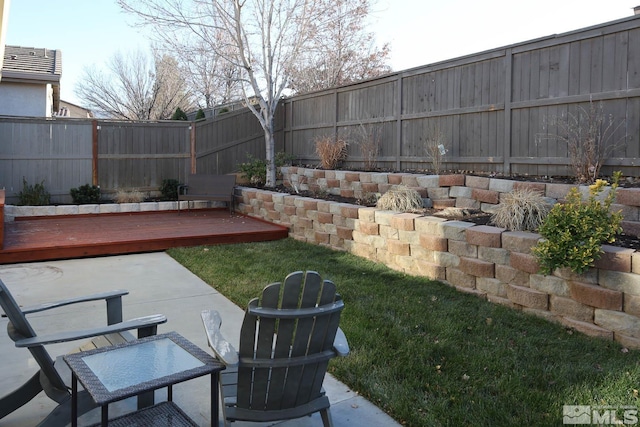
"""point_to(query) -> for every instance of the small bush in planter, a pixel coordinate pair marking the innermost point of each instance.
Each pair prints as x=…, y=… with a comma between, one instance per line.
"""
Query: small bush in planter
x=33, y=195
x=128, y=196
x=400, y=199
x=169, y=189
x=575, y=231
x=86, y=194
x=521, y=210
x=330, y=151
x=255, y=170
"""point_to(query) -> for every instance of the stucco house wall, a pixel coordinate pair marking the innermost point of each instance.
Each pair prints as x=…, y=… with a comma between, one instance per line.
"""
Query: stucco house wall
x=30, y=84
x=21, y=99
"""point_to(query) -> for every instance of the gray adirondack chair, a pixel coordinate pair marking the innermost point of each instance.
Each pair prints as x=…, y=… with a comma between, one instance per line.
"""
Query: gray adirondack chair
x=287, y=338
x=54, y=378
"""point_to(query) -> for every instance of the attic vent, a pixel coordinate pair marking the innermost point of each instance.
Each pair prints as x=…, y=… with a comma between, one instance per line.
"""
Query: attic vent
x=14, y=57
x=32, y=53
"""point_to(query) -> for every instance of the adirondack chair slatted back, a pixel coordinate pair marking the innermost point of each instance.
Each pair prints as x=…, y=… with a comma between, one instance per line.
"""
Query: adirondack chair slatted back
x=18, y=328
x=286, y=342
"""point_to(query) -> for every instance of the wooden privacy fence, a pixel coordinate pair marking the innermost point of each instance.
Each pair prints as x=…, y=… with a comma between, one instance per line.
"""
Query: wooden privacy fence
x=490, y=109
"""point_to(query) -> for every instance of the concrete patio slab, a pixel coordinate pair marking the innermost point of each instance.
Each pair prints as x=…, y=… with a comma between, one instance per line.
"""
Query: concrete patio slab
x=156, y=284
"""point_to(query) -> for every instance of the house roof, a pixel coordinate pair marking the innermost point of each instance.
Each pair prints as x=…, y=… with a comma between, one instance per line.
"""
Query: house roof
x=30, y=64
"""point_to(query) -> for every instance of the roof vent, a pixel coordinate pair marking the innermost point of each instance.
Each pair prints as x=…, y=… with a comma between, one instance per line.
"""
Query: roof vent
x=32, y=53
x=14, y=57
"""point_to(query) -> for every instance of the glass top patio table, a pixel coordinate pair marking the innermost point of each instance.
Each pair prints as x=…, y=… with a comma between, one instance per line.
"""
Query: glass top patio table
x=124, y=370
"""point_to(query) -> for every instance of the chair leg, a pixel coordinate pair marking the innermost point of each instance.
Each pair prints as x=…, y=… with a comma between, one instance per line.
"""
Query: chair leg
x=326, y=417
x=20, y=396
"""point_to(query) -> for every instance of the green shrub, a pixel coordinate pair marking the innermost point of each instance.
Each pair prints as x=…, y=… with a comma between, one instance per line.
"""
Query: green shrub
x=179, y=115
x=200, y=115
x=255, y=170
x=521, y=210
x=33, y=195
x=169, y=189
x=575, y=231
x=85, y=194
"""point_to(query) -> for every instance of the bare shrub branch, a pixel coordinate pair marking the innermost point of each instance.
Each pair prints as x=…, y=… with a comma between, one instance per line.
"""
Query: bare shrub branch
x=330, y=151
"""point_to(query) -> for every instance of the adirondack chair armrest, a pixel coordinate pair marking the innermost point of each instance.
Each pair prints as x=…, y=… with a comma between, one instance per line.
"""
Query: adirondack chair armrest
x=146, y=325
x=340, y=344
x=225, y=352
x=85, y=298
x=112, y=298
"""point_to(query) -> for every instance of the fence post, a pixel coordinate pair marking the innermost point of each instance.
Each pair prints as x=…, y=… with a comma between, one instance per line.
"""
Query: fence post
x=94, y=149
x=192, y=145
x=508, y=71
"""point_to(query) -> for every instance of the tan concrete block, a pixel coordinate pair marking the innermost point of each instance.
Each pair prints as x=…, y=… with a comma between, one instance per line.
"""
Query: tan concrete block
x=455, y=230
x=596, y=296
x=519, y=241
x=524, y=262
x=628, y=283
x=480, y=182
x=397, y=247
x=430, y=270
x=344, y=233
x=627, y=341
x=433, y=243
x=528, y=297
x=430, y=225
x=461, y=279
x=615, y=258
x=389, y=232
x=508, y=274
x=587, y=328
x=617, y=321
x=486, y=196
x=494, y=255
x=549, y=284
x=460, y=248
x=451, y=180
x=566, y=307
x=404, y=221
x=484, y=235
x=476, y=267
x=370, y=228
x=491, y=286
x=384, y=217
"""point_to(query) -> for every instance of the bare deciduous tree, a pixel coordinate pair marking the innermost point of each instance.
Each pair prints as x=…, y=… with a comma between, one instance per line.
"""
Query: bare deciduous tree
x=263, y=40
x=341, y=50
x=134, y=87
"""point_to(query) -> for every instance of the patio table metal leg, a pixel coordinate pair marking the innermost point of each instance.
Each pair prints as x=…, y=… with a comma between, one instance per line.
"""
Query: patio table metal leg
x=74, y=400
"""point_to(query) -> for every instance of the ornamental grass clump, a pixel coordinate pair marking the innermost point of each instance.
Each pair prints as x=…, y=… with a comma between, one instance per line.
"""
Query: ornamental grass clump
x=574, y=231
x=400, y=199
x=521, y=210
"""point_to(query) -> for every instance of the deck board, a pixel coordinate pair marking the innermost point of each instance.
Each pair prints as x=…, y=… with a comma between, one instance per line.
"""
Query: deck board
x=76, y=236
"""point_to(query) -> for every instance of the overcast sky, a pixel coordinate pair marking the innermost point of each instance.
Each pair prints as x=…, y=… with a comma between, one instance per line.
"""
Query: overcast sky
x=420, y=31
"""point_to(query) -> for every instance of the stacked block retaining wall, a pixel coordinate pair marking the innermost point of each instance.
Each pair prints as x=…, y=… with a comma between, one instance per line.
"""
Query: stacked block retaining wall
x=487, y=261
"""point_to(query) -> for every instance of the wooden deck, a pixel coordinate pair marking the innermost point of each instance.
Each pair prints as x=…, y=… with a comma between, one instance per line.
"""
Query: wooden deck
x=77, y=236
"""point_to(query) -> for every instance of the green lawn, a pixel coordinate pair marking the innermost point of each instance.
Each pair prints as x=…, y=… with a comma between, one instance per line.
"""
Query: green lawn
x=429, y=355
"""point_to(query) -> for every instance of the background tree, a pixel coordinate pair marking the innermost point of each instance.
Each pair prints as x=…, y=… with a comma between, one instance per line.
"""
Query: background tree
x=135, y=87
x=262, y=39
x=341, y=51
